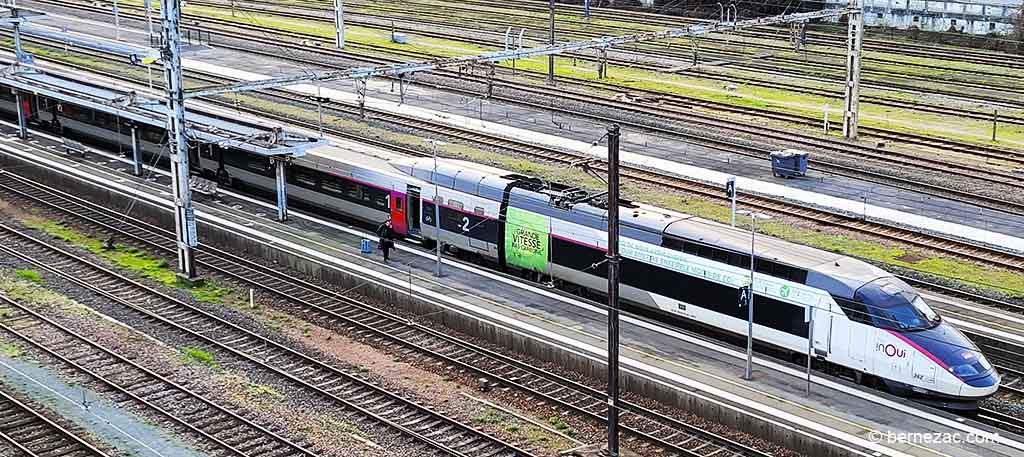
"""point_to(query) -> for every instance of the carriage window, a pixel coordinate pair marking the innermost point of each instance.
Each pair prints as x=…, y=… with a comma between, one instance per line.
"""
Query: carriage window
x=375, y=198
x=381, y=200
x=672, y=243
x=332, y=185
x=691, y=248
x=856, y=312
x=305, y=178
x=262, y=164
x=704, y=251
x=398, y=204
x=351, y=190
x=152, y=134
x=721, y=256
x=739, y=260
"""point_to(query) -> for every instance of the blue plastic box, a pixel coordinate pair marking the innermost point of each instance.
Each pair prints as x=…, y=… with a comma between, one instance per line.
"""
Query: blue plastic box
x=789, y=163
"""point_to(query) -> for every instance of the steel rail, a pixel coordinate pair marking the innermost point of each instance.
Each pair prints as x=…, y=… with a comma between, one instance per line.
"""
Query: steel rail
x=824, y=92
x=346, y=313
x=27, y=429
x=926, y=50
x=345, y=389
x=890, y=231
x=662, y=52
x=647, y=18
x=680, y=104
x=238, y=431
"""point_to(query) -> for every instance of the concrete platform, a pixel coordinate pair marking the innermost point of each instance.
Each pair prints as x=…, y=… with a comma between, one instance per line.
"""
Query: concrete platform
x=667, y=154
x=676, y=367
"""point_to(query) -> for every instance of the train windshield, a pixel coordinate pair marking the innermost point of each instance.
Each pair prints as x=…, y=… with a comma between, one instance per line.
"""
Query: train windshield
x=894, y=304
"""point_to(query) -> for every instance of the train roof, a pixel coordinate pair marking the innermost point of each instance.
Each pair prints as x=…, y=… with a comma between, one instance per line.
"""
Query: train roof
x=797, y=255
x=124, y=103
x=471, y=177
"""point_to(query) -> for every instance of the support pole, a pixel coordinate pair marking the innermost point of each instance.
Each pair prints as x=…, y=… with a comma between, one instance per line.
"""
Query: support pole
x=855, y=35
x=136, y=153
x=339, y=24
x=280, y=164
x=551, y=41
x=995, y=121
x=18, y=100
x=361, y=92
x=184, y=215
x=613, y=291
x=730, y=191
x=117, y=23
x=825, y=119
x=437, y=216
x=19, y=54
x=148, y=4
x=810, y=345
x=748, y=373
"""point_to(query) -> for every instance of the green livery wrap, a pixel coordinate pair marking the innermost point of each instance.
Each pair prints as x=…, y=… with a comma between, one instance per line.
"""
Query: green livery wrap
x=526, y=240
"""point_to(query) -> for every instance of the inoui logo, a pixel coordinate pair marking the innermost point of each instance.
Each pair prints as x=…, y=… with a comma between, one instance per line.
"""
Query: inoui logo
x=784, y=291
x=891, y=350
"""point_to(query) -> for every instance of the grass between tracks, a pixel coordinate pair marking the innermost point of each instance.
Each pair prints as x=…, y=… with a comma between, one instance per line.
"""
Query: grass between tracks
x=898, y=119
x=995, y=280
x=10, y=351
x=131, y=259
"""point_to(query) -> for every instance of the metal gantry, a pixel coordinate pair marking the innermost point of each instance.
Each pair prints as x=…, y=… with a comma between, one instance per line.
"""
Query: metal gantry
x=613, y=259
x=184, y=214
x=855, y=35
x=602, y=43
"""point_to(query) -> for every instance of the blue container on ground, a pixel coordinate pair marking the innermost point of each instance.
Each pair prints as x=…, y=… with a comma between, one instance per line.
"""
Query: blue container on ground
x=366, y=246
x=789, y=163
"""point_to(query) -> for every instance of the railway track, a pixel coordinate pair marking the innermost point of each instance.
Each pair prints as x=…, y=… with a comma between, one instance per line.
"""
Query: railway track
x=322, y=305
x=834, y=91
x=676, y=108
x=673, y=106
x=954, y=247
x=129, y=382
x=680, y=109
x=410, y=14
x=1010, y=391
x=645, y=428
x=949, y=246
x=432, y=431
x=26, y=428
x=624, y=14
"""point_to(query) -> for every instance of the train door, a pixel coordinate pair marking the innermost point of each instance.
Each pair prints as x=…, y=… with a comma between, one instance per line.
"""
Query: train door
x=28, y=106
x=923, y=369
x=858, y=344
x=412, y=212
x=822, y=320
x=398, y=216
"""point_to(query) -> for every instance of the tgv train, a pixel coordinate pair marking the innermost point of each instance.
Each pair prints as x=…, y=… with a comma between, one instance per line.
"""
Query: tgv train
x=869, y=326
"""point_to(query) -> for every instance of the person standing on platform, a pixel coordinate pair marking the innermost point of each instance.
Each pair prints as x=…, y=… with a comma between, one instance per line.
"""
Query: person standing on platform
x=387, y=235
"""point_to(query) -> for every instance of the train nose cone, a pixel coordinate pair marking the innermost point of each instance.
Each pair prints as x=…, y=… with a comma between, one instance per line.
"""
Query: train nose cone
x=981, y=382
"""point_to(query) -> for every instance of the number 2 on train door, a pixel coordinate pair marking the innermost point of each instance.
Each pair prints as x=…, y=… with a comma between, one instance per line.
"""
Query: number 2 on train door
x=465, y=224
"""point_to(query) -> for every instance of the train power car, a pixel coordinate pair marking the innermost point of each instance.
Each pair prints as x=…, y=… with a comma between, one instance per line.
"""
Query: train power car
x=868, y=325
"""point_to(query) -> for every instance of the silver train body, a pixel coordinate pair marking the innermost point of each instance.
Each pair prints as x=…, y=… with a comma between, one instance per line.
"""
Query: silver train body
x=868, y=324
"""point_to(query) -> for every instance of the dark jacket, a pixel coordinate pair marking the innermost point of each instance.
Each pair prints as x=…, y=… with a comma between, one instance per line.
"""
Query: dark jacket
x=386, y=234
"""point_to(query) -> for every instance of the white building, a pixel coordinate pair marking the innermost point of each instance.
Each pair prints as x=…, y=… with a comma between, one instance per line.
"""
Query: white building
x=979, y=17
